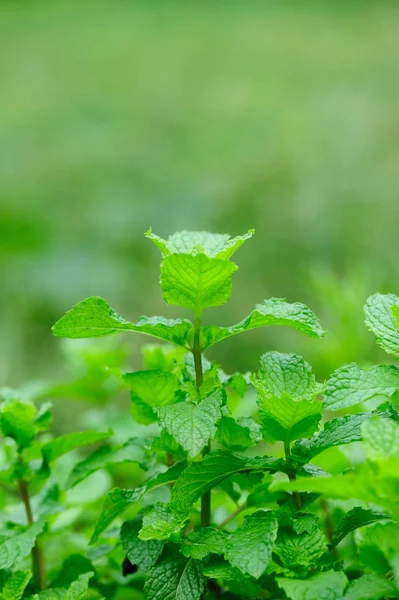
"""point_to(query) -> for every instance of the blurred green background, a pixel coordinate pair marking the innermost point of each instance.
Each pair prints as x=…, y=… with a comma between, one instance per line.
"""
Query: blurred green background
x=117, y=116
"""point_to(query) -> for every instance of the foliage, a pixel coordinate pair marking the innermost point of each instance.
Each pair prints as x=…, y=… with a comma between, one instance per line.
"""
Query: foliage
x=212, y=495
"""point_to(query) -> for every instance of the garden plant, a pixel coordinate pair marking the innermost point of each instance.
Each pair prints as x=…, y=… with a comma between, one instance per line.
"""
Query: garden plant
x=266, y=484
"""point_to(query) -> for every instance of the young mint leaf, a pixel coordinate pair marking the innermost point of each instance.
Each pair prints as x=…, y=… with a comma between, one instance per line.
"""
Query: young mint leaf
x=17, y=420
x=355, y=518
x=287, y=392
x=380, y=320
x=196, y=282
x=148, y=390
x=94, y=317
x=70, y=441
x=175, y=578
x=329, y=585
x=336, y=432
x=214, y=245
x=118, y=500
x=299, y=550
x=200, y=544
x=238, y=435
x=350, y=385
x=213, y=469
x=380, y=438
x=250, y=547
x=371, y=587
x=161, y=523
x=15, y=585
x=192, y=424
x=133, y=451
x=17, y=547
x=275, y=311
x=395, y=312
x=143, y=554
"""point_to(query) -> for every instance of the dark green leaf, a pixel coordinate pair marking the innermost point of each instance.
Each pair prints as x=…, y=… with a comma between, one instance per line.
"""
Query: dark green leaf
x=355, y=518
x=144, y=554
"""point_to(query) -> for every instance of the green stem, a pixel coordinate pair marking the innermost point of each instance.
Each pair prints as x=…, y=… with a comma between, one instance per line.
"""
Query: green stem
x=329, y=527
x=291, y=473
x=232, y=516
x=199, y=378
x=38, y=567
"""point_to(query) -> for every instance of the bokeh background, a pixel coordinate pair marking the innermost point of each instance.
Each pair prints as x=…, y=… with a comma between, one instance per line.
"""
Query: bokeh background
x=117, y=116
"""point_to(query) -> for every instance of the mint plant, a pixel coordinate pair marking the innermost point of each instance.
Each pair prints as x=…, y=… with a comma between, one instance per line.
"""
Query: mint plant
x=226, y=486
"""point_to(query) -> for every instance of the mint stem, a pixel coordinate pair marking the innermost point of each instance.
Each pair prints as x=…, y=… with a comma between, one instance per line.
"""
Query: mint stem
x=199, y=378
x=291, y=473
x=37, y=555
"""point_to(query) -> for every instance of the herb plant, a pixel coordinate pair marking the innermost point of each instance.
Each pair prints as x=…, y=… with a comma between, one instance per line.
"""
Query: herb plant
x=229, y=497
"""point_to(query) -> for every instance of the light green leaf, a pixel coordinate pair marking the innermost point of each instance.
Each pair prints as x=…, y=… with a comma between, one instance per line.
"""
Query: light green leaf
x=161, y=523
x=17, y=420
x=70, y=441
x=335, y=433
x=380, y=320
x=355, y=518
x=380, y=438
x=133, y=451
x=196, y=282
x=371, y=587
x=329, y=585
x=395, y=312
x=287, y=397
x=207, y=540
x=299, y=550
x=275, y=311
x=94, y=317
x=144, y=554
x=118, y=500
x=17, y=547
x=15, y=585
x=238, y=435
x=250, y=547
x=76, y=591
x=350, y=385
x=192, y=424
x=214, y=245
x=148, y=390
x=215, y=467
x=175, y=578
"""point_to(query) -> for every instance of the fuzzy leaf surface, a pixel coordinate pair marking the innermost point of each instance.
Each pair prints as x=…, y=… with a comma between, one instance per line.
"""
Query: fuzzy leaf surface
x=200, y=544
x=380, y=320
x=191, y=424
x=94, y=317
x=250, y=547
x=161, y=523
x=350, y=385
x=196, y=281
x=175, y=578
x=148, y=390
x=275, y=311
x=214, y=245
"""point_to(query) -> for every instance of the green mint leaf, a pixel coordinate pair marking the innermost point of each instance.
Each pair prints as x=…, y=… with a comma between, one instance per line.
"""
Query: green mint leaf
x=287, y=397
x=213, y=469
x=72, y=567
x=371, y=587
x=17, y=420
x=395, y=312
x=118, y=500
x=17, y=547
x=380, y=438
x=380, y=320
x=196, y=282
x=299, y=550
x=76, y=591
x=161, y=523
x=329, y=585
x=175, y=578
x=70, y=441
x=350, y=385
x=275, y=311
x=94, y=317
x=214, y=245
x=355, y=518
x=144, y=554
x=200, y=544
x=238, y=435
x=335, y=433
x=148, y=390
x=133, y=451
x=167, y=443
x=192, y=424
x=15, y=585
x=250, y=547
